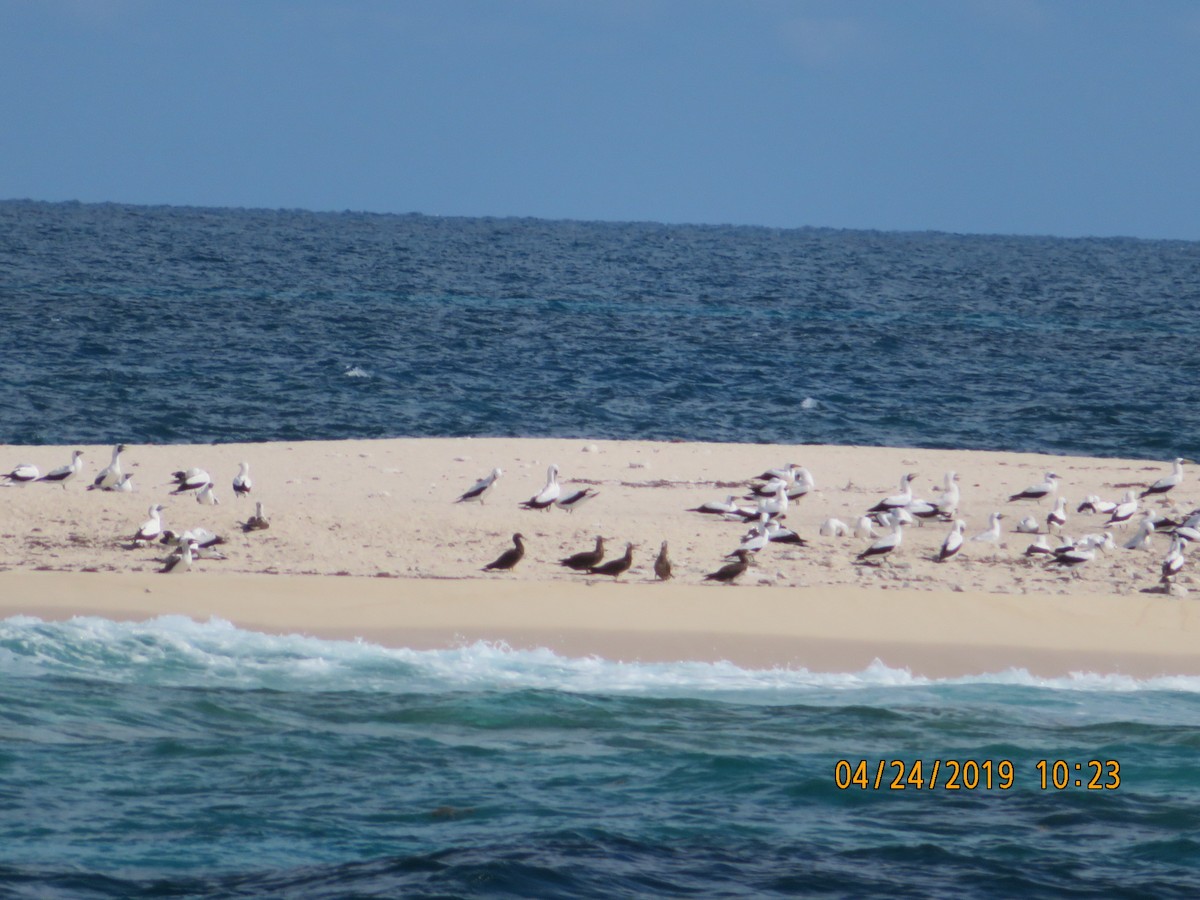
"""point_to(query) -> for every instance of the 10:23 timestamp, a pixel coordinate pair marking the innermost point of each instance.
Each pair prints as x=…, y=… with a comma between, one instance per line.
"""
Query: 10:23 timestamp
x=1058, y=774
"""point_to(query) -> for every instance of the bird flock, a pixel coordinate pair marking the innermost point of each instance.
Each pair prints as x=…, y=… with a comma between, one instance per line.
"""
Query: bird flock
x=184, y=547
x=1139, y=520
x=766, y=498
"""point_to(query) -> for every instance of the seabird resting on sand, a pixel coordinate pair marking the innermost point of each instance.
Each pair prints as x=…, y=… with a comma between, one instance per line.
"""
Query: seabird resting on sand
x=585, y=559
x=953, y=542
x=1040, y=547
x=1028, y=525
x=1125, y=510
x=727, y=573
x=258, y=521
x=509, y=557
x=992, y=534
x=575, y=499
x=241, y=481
x=662, y=564
x=896, y=501
x=716, y=507
x=63, y=474
x=1164, y=485
x=202, y=537
x=1174, y=559
x=190, y=480
x=1094, y=504
x=834, y=528
x=207, y=495
x=615, y=567
x=1038, y=491
x=887, y=544
x=1056, y=519
x=480, y=489
x=177, y=565
x=151, y=529
x=544, y=498
x=110, y=475
x=22, y=474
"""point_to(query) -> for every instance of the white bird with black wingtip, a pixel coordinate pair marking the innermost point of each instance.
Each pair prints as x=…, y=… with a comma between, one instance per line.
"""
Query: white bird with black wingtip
x=21, y=475
x=110, y=476
x=481, y=488
x=63, y=474
x=241, y=481
x=1038, y=492
x=545, y=498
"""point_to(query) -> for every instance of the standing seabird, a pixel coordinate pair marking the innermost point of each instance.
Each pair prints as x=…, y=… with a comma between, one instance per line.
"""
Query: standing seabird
x=575, y=499
x=1125, y=510
x=1174, y=559
x=110, y=475
x=22, y=474
x=190, y=480
x=258, y=521
x=992, y=534
x=1040, y=547
x=887, y=544
x=585, y=559
x=615, y=567
x=1144, y=538
x=177, y=565
x=63, y=474
x=662, y=564
x=947, y=503
x=953, y=542
x=509, y=557
x=241, y=481
x=1164, y=485
x=151, y=529
x=1056, y=519
x=545, y=498
x=1038, y=491
x=480, y=489
x=729, y=572
x=896, y=501
x=777, y=506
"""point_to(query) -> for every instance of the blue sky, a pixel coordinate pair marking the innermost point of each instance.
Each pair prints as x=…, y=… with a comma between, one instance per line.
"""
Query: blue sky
x=1064, y=117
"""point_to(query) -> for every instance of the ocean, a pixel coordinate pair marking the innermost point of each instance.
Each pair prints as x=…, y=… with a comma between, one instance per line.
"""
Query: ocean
x=173, y=758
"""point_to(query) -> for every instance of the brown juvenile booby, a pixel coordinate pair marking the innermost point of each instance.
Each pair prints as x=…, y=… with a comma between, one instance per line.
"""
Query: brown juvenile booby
x=258, y=521
x=727, y=573
x=63, y=474
x=509, y=557
x=585, y=559
x=662, y=565
x=615, y=567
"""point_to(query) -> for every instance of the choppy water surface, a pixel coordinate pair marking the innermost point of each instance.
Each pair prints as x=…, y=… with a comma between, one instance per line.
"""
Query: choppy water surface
x=170, y=758
x=175, y=325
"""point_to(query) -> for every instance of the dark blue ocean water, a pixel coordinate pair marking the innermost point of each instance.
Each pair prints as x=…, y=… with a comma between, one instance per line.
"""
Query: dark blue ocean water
x=175, y=759
x=156, y=324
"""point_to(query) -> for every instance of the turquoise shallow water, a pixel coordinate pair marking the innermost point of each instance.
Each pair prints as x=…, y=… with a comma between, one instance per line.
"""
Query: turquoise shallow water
x=171, y=758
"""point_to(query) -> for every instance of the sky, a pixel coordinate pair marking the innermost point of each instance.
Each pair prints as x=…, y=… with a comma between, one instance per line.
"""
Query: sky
x=1051, y=117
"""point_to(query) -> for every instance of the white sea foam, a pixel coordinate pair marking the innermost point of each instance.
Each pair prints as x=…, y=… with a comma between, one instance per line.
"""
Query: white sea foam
x=356, y=372
x=177, y=650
